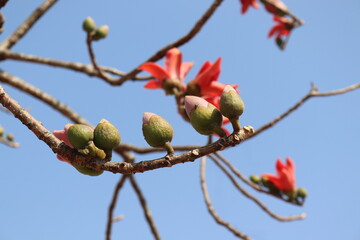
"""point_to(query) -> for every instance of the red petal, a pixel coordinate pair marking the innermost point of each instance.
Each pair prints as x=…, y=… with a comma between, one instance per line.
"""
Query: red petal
x=213, y=90
x=173, y=62
x=153, y=84
x=204, y=67
x=210, y=75
x=156, y=70
x=185, y=68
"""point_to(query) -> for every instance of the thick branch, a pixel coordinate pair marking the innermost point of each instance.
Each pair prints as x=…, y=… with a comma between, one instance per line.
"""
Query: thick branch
x=27, y=24
x=146, y=209
x=186, y=38
x=210, y=207
x=125, y=167
x=254, y=199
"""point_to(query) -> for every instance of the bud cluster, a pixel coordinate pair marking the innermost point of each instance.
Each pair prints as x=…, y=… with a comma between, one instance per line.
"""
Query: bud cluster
x=6, y=137
x=97, y=143
x=89, y=26
x=207, y=119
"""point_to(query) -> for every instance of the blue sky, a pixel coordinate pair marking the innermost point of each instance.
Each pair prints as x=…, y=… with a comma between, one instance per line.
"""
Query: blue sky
x=43, y=198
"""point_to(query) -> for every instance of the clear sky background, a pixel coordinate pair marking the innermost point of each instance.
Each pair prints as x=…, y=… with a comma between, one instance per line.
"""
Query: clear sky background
x=43, y=198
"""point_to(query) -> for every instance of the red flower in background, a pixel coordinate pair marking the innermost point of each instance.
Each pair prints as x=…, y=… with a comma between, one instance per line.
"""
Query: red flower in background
x=175, y=70
x=276, y=7
x=282, y=28
x=245, y=4
x=285, y=178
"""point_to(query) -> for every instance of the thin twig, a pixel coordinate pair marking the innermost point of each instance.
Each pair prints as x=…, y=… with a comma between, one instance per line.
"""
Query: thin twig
x=186, y=38
x=110, y=218
x=211, y=208
x=9, y=143
x=42, y=96
x=145, y=208
x=101, y=74
x=312, y=93
x=143, y=150
x=118, y=218
x=248, y=182
x=78, y=67
x=27, y=24
x=254, y=199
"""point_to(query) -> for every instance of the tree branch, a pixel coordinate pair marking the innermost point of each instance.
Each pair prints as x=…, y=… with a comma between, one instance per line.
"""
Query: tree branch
x=210, y=207
x=129, y=168
x=42, y=96
x=146, y=210
x=143, y=150
x=254, y=199
x=248, y=182
x=187, y=37
x=27, y=24
x=110, y=218
x=78, y=67
x=313, y=93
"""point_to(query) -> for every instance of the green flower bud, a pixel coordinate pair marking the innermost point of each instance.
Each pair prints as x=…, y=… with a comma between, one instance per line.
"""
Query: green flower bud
x=93, y=151
x=171, y=86
x=302, y=193
x=231, y=105
x=101, y=32
x=89, y=25
x=255, y=179
x=80, y=135
x=10, y=137
x=265, y=182
x=106, y=136
x=1, y=131
x=204, y=117
x=88, y=171
x=156, y=130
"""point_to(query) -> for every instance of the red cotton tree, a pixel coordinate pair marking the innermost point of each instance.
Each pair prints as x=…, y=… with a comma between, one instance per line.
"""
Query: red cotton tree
x=172, y=93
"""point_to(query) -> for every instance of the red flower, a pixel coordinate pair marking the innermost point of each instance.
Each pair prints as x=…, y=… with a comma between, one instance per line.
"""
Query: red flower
x=282, y=28
x=247, y=3
x=175, y=70
x=276, y=7
x=285, y=179
x=206, y=81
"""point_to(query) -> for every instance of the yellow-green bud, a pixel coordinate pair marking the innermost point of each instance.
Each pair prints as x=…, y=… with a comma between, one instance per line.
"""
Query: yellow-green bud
x=302, y=193
x=88, y=171
x=231, y=105
x=106, y=136
x=204, y=117
x=255, y=179
x=101, y=32
x=80, y=135
x=1, y=131
x=10, y=137
x=89, y=25
x=156, y=130
x=93, y=151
